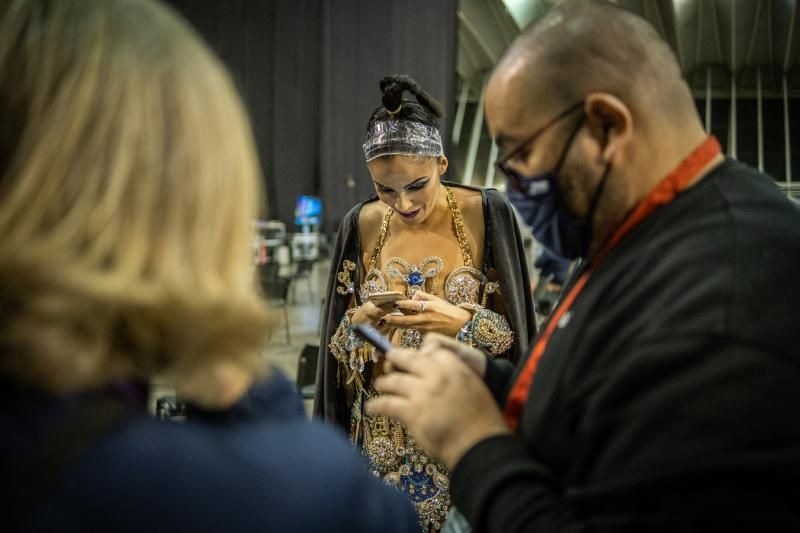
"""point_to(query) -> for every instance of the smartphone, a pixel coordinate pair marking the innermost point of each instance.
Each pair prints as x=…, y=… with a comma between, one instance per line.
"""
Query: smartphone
x=375, y=337
x=385, y=298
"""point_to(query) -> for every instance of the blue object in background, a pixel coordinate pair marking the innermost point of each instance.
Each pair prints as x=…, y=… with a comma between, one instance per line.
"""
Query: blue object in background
x=308, y=211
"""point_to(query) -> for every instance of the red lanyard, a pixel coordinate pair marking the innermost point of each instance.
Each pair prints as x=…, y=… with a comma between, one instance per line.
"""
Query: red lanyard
x=664, y=193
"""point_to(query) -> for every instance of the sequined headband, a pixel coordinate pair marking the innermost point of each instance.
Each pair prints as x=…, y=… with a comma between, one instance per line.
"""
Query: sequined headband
x=402, y=137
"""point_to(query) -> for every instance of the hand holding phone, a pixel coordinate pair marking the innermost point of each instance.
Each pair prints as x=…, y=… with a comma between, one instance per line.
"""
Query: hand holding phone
x=380, y=299
x=374, y=337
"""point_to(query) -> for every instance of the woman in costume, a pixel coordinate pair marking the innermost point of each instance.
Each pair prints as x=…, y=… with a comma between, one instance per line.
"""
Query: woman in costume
x=455, y=254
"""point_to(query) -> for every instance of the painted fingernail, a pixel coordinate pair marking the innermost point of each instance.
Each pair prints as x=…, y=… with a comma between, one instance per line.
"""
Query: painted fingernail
x=381, y=322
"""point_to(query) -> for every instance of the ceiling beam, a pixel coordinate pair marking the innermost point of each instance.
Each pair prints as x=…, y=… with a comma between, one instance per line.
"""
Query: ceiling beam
x=749, y=57
x=789, y=38
x=468, y=26
x=715, y=25
x=675, y=22
x=733, y=39
x=503, y=21
x=468, y=60
x=769, y=31
x=697, y=41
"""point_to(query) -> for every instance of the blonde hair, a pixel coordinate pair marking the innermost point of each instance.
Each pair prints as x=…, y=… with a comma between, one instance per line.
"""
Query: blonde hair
x=128, y=183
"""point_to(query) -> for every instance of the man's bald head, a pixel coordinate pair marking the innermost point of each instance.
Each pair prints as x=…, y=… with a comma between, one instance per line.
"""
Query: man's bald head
x=582, y=46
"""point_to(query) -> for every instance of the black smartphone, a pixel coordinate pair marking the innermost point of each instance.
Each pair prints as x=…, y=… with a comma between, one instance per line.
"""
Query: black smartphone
x=374, y=337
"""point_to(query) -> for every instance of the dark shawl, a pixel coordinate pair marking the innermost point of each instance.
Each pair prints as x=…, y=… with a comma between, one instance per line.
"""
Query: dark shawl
x=503, y=251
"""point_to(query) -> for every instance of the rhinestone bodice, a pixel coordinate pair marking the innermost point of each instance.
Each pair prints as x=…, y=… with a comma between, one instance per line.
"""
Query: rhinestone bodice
x=391, y=452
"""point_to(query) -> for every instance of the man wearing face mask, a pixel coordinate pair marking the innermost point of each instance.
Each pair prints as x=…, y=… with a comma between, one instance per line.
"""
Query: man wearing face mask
x=661, y=394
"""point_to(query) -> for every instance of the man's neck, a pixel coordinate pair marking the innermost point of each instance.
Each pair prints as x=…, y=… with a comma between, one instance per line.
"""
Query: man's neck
x=673, y=149
x=641, y=179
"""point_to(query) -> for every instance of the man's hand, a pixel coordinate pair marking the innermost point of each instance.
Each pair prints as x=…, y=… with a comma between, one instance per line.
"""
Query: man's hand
x=472, y=357
x=441, y=400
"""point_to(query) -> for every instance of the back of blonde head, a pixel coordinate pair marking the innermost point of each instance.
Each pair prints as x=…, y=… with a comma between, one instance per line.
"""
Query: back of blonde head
x=128, y=183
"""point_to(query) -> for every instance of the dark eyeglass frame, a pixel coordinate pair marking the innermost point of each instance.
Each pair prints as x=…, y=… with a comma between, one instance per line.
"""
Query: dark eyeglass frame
x=505, y=168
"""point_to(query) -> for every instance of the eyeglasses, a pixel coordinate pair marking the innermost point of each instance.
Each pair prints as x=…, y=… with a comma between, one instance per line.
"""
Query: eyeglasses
x=513, y=177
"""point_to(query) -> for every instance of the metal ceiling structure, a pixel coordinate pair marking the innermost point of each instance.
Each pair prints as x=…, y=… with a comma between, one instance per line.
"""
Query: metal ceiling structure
x=731, y=52
x=731, y=39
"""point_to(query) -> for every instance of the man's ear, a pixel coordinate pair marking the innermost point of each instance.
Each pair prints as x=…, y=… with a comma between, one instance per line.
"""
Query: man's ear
x=611, y=121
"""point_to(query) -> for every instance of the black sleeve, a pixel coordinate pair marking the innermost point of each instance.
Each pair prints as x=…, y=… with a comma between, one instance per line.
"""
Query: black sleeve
x=330, y=403
x=500, y=488
x=506, y=254
x=498, y=378
x=684, y=431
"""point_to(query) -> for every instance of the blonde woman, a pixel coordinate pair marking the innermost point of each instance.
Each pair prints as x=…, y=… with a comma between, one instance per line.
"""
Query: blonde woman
x=128, y=181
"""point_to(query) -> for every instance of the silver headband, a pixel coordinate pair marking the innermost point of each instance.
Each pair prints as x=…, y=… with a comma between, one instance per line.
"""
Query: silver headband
x=402, y=137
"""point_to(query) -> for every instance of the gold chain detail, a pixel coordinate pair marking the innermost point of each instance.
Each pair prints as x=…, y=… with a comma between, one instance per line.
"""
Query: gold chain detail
x=381, y=238
x=458, y=224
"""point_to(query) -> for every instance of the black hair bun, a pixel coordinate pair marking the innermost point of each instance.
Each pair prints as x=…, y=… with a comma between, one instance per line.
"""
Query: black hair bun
x=393, y=88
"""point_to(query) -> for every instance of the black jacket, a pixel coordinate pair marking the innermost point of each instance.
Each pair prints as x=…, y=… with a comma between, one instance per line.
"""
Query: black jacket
x=503, y=251
x=669, y=400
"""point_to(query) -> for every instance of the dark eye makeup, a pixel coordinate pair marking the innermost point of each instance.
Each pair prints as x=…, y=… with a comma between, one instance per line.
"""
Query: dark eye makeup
x=413, y=187
x=417, y=185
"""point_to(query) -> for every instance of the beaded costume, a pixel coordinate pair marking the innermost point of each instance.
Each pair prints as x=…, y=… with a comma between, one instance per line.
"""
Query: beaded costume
x=391, y=452
x=346, y=362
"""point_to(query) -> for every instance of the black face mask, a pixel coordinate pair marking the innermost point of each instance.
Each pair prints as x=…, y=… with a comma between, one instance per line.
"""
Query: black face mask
x=542, y=206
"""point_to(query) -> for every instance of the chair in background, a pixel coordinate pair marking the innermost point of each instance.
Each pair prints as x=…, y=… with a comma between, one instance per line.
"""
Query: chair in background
x=276, y=291
x=307, y=371
x=303, y=271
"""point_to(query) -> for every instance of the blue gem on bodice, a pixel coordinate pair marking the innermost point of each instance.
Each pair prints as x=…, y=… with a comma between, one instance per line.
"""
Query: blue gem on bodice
x=414, y=275
x=415, y=278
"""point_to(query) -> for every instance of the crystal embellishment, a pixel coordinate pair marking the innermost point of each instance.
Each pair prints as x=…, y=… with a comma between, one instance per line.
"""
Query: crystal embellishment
x=415, y=278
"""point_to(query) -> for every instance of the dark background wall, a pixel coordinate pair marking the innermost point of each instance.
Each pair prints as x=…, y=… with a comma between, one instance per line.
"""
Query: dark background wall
x=308, y=71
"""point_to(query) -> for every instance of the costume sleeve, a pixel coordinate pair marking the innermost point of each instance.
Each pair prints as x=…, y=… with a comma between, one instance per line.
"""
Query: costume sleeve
x=499, y=325
x=683, y=433
x=351, y=352
x=507, y=266
x=488, y=329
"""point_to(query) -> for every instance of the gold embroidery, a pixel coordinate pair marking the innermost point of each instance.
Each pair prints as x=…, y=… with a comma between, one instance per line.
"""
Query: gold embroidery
x=492, y=287
x=491, y=332
x=348, y=267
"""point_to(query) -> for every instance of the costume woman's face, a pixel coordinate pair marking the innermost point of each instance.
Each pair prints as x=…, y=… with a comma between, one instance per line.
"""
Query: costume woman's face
x=409, y=185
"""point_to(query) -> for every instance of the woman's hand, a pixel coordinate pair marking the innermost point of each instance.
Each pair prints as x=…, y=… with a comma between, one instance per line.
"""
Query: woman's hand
x=371, y=314
x=428, y=313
